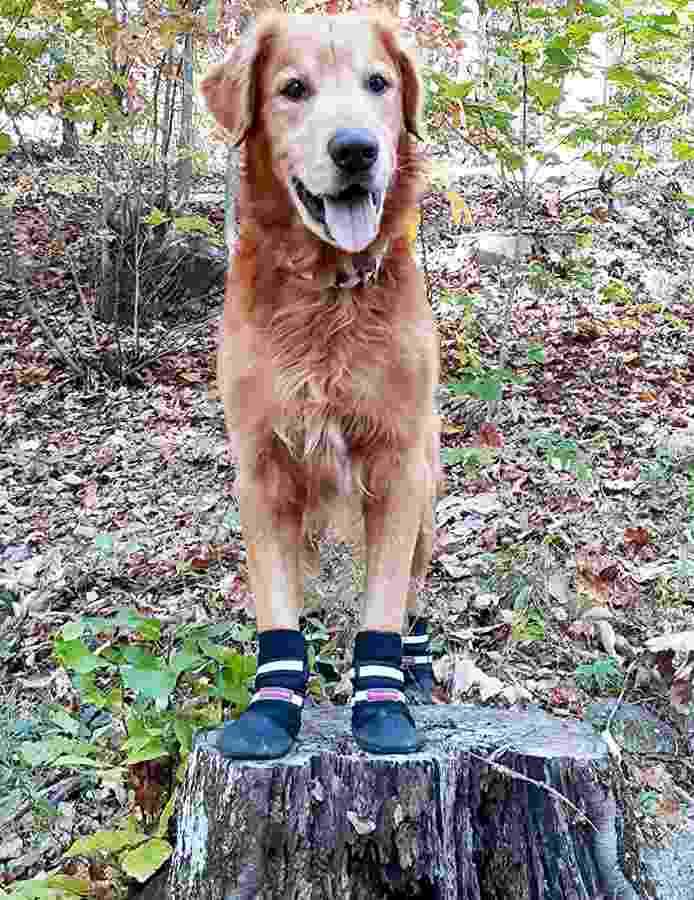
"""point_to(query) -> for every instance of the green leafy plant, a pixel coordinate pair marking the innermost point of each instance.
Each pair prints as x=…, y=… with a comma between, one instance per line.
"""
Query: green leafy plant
x=536, y=354
x=153, y=692
x=53, y=887
x=615, y=291
x=661, y=468
x=560, y=453
x=690, y=504
x=600, y=676
x=16, y=783
x=472, y=458
x=528, y=624
x=674, y=588
x=486, y=383
x=119, y=665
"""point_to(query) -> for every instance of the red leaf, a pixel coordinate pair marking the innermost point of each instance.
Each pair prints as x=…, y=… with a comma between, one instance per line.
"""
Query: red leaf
x=581, y=630
x=565, y=697
x=550, y=204
x=89, y=500
x=490, y=436
x=638, y=536
x=681, y=690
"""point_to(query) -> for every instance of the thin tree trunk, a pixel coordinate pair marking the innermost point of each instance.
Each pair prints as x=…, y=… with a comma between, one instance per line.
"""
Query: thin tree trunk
x=166, y=117
x=71, y=139
x=185, y=139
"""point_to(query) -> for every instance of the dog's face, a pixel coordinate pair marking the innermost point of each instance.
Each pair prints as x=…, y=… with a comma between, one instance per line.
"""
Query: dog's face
x=332, y=95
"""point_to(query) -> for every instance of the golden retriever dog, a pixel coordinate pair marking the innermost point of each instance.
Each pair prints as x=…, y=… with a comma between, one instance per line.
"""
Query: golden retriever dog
x=328, y=358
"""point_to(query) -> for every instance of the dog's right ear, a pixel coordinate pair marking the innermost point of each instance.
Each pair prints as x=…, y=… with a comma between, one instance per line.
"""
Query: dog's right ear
x=230, y=87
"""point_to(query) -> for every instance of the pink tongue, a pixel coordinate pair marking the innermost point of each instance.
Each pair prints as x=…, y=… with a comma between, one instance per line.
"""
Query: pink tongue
x=353, y=223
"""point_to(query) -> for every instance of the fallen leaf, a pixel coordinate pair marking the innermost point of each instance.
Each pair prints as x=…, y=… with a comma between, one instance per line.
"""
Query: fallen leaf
x=459, y=208
x=589, y=582
x=679, y=643
x=607, y=637
x=484, y=504
x=465, y=677
x=360, y=824
x=564, y=697
x=490, y=436
x=550, y=204
x=191, y=377
x=597, y=613
x=442, y=668
x=638, y=536
x=653, y=777
x=454, y=568
x=515, y=693
x=449, y=428
x=32, y=375
x=681, y=690
x=581, y=630
x=669, y=810
x=489, y=686
x=89, y=496
x=558, y=586
x=142, y=862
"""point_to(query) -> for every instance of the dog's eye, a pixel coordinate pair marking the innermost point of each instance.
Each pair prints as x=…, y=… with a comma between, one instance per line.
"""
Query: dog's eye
x=377, y=84
x=295, y=89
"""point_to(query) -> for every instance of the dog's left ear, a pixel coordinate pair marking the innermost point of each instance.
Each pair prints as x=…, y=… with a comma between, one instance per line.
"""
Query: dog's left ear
x=412, y=88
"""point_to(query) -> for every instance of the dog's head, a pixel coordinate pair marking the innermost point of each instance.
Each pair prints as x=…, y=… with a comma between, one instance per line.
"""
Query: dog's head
x=332, y=97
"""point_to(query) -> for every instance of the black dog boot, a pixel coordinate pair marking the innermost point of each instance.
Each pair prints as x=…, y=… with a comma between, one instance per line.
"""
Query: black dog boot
x=416, y=662
x=381, y=721
x=270, y=725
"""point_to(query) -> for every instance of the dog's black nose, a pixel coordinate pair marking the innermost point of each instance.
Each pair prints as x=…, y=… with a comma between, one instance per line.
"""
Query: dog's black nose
x=353, y=149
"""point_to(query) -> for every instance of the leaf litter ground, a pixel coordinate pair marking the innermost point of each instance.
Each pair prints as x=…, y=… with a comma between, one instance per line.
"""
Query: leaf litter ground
x=563, y=540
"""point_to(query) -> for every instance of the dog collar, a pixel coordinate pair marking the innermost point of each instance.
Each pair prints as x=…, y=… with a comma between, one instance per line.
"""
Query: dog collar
x=349, y=270
x=356, y=269
x=359, y=269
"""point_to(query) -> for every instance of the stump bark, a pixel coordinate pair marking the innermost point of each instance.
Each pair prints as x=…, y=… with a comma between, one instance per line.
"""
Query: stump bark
x=329, y=822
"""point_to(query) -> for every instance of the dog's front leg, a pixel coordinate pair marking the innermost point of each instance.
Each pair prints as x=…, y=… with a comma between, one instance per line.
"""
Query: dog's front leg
x=399, y=492
x=271, y=520
x=272, y=534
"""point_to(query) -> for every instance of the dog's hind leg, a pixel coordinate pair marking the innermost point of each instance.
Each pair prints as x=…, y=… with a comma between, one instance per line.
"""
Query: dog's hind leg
x=416, y=650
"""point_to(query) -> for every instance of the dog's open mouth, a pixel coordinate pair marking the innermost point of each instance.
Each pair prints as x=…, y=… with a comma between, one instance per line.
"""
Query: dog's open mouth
x=351, y=218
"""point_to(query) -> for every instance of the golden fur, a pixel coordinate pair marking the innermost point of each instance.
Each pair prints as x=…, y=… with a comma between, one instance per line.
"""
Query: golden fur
x=327, y=390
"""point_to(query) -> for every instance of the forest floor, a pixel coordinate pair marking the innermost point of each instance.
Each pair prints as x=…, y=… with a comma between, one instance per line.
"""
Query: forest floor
x=563, y=572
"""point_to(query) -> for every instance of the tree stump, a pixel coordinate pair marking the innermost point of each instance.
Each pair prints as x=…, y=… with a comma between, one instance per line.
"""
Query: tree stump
x=329, y=822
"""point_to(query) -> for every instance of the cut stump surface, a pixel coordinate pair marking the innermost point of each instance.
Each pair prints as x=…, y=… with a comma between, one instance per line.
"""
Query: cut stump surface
x=329, y=822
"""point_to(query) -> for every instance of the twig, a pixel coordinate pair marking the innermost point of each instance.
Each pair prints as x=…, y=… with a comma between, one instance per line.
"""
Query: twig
x=83, y=300
x=33, y=311
x=468, y=632
x=167, y=351
x=614, y=710
x=540, y=784
x=53, y=793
